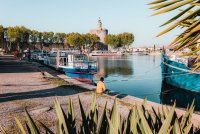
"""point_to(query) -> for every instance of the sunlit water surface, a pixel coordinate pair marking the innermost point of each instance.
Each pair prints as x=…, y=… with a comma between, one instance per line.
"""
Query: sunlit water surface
x=141, y=76
x=134, y=75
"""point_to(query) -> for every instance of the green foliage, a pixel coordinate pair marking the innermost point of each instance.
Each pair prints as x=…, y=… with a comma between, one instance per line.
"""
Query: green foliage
x=123, y=39
x=112, y=40
x=1, y=33
x=48, y=37
x=75, y=39
x=59, y=38
x=139, y=121
x=126, y=39
x=18, y=34
x=187, y=19
x=34, y=36
x=90, y=38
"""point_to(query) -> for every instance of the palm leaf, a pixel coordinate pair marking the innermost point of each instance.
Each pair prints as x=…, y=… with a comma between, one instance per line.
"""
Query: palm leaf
x=156, y=2
x=175, y=6
x=164, y=4
x=178, y=15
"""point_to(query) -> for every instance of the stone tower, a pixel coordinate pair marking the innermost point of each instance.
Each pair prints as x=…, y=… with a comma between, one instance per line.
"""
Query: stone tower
x=99, y=31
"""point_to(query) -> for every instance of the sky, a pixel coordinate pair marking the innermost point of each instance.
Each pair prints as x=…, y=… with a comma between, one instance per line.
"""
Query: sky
x=82, y=15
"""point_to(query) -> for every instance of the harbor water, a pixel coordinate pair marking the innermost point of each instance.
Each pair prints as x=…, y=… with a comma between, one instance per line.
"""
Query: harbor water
x=141, y=76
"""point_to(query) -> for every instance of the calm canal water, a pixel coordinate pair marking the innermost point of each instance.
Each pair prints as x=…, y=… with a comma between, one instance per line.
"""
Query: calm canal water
x=141, y=76
x=134, y=75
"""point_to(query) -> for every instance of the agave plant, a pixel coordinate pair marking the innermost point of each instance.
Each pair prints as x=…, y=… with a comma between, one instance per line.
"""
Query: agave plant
x=139, y=121
x=187, y=19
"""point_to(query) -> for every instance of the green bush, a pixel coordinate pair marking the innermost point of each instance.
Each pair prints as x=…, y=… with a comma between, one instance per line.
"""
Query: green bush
x=139, y=121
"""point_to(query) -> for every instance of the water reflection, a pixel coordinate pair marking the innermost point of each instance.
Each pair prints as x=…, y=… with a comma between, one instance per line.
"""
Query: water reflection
x=134, y=75
x=170, y=94
x=141, y=76
x=113, y=65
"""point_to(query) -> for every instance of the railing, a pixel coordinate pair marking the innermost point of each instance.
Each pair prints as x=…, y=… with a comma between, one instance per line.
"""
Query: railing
x=91, y=65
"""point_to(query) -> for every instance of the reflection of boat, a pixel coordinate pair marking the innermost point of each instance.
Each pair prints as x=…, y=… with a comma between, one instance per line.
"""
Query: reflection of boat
x=176, y=72
x=105, y=53
x=73, y=65
x=170, y=94
x=113, y=65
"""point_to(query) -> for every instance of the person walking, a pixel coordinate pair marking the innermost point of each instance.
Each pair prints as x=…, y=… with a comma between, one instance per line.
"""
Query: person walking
x=100, y=86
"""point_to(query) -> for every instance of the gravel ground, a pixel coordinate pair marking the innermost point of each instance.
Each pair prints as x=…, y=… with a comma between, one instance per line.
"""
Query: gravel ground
x=22, y=85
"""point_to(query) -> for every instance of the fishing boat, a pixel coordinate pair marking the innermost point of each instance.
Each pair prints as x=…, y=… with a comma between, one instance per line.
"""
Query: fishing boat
x=170, y=94
x=177, y=71
x=105, y=53
x=74, y=65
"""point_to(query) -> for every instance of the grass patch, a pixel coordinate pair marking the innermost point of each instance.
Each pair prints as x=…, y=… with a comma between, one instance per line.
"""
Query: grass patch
x=56, y=81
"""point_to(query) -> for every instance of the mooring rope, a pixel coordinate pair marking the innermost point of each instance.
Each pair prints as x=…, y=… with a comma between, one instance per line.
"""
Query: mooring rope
x=150, y=78
x=178, y=68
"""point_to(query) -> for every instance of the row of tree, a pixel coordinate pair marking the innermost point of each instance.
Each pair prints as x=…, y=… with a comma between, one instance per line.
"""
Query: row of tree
x=122, y=39
x=19, y=36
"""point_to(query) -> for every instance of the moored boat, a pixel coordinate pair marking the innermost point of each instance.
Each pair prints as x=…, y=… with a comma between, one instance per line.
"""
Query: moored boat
x=105, y=53
x=176, y=72
x=74, y=65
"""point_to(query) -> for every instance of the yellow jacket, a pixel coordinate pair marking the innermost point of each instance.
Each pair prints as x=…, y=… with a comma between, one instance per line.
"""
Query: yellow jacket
x=100, y=87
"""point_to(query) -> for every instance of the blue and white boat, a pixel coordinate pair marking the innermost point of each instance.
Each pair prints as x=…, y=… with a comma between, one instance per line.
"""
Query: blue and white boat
x=176, y=72
x=73, y=64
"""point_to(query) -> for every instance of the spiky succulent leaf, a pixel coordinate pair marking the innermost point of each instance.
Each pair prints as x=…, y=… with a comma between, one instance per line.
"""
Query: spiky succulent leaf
x=102, y=123
x=166, y=124
x=111, y=128
x=115, y=119
x=20, y=126
x=84, y=118
x=2, y=130
x=143, y=122
x=33, y=128
x=62, y=125
x=176, y=128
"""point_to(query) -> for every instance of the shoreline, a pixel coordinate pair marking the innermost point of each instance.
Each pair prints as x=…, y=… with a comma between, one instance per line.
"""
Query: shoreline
x=36, y=92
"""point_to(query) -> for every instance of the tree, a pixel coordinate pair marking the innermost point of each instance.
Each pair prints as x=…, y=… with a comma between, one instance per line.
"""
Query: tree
x=75, y=39
x=187, y=19
x=17, y=35
x=90, y=40
x=126, y=39
x=1, y=34
x=34, y=37
x=59, y=38
x=112, y=40
x=12, y=36
x=48, y=37
x=24, y=37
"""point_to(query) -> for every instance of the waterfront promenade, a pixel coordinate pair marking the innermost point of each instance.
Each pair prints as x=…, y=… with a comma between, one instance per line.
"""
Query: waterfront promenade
x=22, y=84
